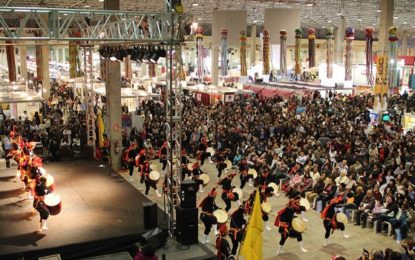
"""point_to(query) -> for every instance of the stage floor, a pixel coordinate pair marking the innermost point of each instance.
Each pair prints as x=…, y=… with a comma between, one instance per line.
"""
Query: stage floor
x=95, y=207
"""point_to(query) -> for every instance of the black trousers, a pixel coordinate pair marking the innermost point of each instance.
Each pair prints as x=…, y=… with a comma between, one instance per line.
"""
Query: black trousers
x=328, y=226
x=130, y=168
x=235, y=242
x=208, y=220
x=227, y=201
x=150, y=183
x=244, y=179
x=42, y=209
x=291, y=233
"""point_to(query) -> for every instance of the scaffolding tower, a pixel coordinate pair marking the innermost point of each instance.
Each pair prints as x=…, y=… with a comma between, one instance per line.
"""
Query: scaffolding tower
x=109, y=27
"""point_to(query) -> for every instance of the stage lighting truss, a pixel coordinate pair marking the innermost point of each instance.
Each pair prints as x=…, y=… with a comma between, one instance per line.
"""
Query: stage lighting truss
x=141, y=54
x=88, y=25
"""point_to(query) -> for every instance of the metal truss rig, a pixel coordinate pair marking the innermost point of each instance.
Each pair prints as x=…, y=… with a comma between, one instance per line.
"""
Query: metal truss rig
x=88, y=25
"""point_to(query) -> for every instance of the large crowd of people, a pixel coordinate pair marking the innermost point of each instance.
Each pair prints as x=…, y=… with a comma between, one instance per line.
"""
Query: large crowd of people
x=327, y=149
x=322, y=150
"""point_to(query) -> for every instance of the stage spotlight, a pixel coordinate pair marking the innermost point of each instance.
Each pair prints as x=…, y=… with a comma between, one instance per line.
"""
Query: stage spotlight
x=146, y=56
x=121, y=54
x=138, y=54
x=154, y=55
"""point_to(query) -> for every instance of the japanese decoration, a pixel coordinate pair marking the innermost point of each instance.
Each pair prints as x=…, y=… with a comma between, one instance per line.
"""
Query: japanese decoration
x=348, y=63
x=297, y=54
x=224, y=52
x=283, y=51
x=393, y=58
x=199, y=53
x=74, y=62
x=127, y=67
x=265, y=54
x=311, y=32
x=243, y=54
x=370, y=31
x=330, y=52
x=11, y=61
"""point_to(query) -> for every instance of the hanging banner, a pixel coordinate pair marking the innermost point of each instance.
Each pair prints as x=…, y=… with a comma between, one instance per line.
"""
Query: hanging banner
x=381, y=83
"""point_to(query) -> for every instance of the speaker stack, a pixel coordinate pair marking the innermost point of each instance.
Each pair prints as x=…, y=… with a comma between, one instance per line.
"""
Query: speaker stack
x=187, y=214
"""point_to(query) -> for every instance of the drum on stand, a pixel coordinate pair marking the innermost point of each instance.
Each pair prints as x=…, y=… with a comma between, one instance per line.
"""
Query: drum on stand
x=228, y=164
x=211, y=151
x=253, y=172
x=298, y=225
x=305, y=203
x=266, y=207
x=54, y=203
x=50, y=182
x=221, y=216
x=154, y=176
x=341, y=217
x=205, y=178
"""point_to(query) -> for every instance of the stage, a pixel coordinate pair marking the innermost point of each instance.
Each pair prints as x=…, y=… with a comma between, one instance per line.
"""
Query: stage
x=99, y=214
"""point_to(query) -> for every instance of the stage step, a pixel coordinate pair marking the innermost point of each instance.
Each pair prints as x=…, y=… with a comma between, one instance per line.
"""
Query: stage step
x=116, y=256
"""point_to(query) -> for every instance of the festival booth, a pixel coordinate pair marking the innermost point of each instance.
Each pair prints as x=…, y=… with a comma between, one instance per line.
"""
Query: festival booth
x=17, y=97
x=285, y=89
x=129, y=96
x=211, y=95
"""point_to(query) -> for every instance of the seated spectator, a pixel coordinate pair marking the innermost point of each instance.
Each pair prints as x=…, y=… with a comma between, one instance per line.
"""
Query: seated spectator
x=365, y=207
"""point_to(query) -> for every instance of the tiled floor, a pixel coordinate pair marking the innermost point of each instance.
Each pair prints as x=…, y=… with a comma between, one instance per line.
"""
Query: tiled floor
x=313, y=237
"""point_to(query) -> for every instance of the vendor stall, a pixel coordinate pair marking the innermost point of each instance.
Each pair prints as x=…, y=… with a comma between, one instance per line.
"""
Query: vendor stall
x=211, y=95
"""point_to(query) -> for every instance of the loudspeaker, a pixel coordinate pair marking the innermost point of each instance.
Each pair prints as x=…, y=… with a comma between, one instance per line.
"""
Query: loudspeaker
x=150, y=215
x=186, y=225
x=188, y=190
x=156, y=237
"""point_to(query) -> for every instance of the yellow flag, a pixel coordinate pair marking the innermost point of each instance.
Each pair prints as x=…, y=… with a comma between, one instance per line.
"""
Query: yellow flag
x=101, y=130
x=251, y=248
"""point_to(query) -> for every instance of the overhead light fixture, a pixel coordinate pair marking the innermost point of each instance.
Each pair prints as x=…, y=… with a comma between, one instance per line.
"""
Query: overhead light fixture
x=101, y=0
x=329, y=21
x=378, y=11
x=199, y=19
x=405, y=22
x=339, y=13
x=395, y=17
x=310, y=4
x=359, y=20
x=86, y=6
x=195, y=4
x=254, y=21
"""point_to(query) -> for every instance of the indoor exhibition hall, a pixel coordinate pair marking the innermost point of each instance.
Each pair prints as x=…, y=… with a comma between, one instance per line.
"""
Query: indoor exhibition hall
x=203, y=130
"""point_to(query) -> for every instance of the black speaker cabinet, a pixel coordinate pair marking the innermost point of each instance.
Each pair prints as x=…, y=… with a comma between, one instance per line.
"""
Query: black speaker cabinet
x=188, y=190
x=186, y=225
x=156, y=237
x=150, y=215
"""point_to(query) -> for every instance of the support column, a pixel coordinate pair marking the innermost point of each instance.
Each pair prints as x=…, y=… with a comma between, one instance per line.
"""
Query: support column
x=252, y=55
x=63, y=52
x=45, y=71
x=215, y=68
x=339, y=42
x=386, y=21
x=114, y=127
x=113, y=90
x=404, y=44
x=23, y=62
